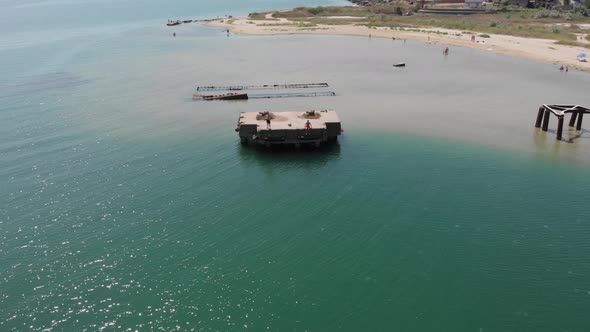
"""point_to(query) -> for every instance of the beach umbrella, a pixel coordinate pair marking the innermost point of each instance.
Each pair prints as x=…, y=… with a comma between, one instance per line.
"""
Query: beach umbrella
x=582, y=55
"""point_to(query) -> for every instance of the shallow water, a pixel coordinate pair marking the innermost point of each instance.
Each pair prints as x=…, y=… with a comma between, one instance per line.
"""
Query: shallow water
x=125, y=205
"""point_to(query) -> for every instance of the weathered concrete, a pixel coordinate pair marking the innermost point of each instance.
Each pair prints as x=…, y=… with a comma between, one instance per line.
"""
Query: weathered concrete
x=288, y=128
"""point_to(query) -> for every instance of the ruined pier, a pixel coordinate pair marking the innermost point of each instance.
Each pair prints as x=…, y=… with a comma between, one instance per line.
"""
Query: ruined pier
x=289, y=128
x=262, y=87
x=559, y=111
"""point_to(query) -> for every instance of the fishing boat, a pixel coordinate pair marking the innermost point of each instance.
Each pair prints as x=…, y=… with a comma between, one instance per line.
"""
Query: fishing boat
x=227, y=96
x=400, y=64
x=173, y=23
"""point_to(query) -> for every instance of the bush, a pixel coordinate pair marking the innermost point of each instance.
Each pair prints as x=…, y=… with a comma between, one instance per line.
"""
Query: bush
x=555, y=30
x=588, y=37
x=483, y=35
x=316, y=10
x=386, y=9
x=493, y=24
x=583, y=9
x=546, y=13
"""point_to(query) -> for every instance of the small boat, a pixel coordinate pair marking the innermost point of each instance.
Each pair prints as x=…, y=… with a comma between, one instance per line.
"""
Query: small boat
x=227, y=96
x=173, y=23
x=187, y=21
x=401, y=64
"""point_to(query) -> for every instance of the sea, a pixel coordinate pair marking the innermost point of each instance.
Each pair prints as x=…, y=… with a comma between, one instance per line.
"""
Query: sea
x=127, y=206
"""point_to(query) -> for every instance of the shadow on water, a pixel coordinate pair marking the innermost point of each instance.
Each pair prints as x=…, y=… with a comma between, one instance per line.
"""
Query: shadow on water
x=283, y=156
x=576, y=135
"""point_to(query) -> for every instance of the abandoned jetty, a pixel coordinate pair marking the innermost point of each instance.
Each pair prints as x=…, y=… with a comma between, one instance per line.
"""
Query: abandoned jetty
x=262, y=87
x=559, y=111
x=295, y=128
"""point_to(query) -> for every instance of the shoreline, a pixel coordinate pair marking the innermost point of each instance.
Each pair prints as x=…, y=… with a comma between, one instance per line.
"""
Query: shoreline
x=544, y=50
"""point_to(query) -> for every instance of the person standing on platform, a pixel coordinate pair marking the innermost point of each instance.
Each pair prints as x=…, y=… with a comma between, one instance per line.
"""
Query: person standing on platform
x=307, y=128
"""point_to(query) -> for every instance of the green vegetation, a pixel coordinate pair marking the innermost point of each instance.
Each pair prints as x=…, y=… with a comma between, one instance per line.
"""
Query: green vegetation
x=587, y=37
x=571, y=43
x=533, y=23
x=483, y=35
x=256, y=16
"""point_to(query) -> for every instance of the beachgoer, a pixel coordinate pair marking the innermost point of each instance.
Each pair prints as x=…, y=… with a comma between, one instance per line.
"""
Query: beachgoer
x=473, y=38
x=369, y=35
x=174, y=34
x=307, y=127
x=268, y=120
x=567, y=69
x=561, y=68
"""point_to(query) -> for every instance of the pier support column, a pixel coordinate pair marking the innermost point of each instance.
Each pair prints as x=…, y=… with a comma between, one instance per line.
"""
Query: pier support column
x=580, y=117
x=546, y=120
x=539, y=118
x=560, y=127
x=573, y=119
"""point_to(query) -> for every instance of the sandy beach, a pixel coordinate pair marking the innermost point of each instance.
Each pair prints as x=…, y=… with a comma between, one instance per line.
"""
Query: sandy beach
x=545, y=50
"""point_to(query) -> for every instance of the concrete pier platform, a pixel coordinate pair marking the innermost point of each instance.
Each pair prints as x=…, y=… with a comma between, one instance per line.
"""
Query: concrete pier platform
x=288, y=127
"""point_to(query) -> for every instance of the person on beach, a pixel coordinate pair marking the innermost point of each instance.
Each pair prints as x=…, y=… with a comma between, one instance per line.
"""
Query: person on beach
x=446, y=51
x=473, y=38
x=268, y=120
x=174, y=34
x=561, y=68
x=307, y=128
x=567, y=69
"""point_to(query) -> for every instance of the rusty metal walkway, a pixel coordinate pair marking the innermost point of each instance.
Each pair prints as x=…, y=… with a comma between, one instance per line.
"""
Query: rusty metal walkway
x=263, y=87
x=292, y=94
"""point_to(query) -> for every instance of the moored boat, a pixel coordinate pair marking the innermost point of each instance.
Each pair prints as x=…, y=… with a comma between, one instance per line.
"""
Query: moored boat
x=187, y=21
x=173, y=23
x=401, y=64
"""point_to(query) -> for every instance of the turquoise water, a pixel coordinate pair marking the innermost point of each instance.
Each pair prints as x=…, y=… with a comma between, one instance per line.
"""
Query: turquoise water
x=126, y=206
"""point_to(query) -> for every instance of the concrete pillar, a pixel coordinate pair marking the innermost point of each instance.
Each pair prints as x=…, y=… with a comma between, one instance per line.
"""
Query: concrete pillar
x=580, y=117
x=573, y=119
x=560, y=128
x=539, y=118
x=546, y=120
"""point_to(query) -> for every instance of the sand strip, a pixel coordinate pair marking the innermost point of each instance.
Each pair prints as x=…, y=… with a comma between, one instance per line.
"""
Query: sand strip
x=537, y=49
